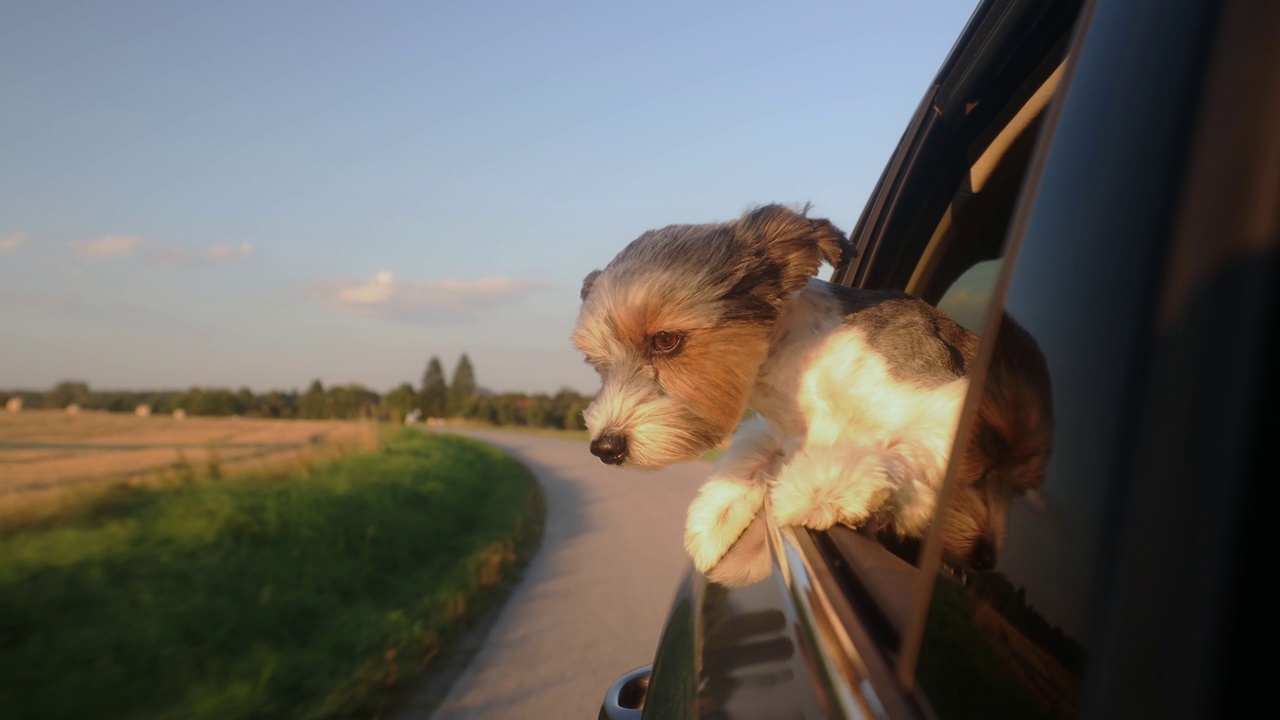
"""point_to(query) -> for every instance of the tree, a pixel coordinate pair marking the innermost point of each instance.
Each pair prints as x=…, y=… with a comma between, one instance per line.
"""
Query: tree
x=434, y=396
x=462, y=388
x=67, y=392
x=397, y=403
x=314, y=404
x=566, y=409
x=538, y=411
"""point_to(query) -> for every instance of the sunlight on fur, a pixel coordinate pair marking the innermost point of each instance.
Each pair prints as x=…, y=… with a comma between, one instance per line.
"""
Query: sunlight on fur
x=856, y=393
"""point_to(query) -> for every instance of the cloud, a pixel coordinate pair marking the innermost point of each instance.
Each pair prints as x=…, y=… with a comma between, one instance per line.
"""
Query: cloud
x=171, y=255
x=229, y=252
x=34, y=302
x=109, y=246
x=420, y=301
x=167, y=255
x=11, y=242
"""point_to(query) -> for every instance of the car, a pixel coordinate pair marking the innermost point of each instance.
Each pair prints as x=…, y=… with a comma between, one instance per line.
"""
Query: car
x=1106, y=175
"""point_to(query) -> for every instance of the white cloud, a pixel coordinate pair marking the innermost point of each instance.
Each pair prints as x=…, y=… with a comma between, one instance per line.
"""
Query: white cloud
x=164, y=255
x=171, y=255
x=420, y=301
x=11, y=242
x=109, y=246
x=222, y=252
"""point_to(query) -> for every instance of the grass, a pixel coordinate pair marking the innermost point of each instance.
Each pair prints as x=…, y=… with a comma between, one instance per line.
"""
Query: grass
x=317, y=596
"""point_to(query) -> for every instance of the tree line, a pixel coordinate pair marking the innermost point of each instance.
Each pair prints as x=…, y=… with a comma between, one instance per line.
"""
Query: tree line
x=459, y=397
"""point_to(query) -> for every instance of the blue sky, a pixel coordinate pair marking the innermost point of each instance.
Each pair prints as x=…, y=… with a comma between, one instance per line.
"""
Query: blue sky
x=261, y=193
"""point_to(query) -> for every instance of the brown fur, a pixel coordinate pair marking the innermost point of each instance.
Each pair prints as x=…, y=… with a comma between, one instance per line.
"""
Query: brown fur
x=1009, y=445
x=714, y=372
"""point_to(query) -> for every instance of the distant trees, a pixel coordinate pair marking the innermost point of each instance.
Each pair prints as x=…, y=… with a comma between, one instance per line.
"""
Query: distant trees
x=397, y=403
x=435, y=393
x=462, y=388
x=314, y=404
x=461, y=398
x=67, y=392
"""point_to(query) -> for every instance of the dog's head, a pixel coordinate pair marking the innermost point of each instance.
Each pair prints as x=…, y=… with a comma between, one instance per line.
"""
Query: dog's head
x=679, y=322
x=1007, y=452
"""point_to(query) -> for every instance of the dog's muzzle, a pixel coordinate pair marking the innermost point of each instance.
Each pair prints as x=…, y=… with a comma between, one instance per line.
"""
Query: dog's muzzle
x=611, y=448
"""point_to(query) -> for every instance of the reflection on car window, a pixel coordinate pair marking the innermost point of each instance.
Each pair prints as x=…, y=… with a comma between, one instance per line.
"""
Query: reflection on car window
x=990, y=647
x=1008, y=642
x=967, y=300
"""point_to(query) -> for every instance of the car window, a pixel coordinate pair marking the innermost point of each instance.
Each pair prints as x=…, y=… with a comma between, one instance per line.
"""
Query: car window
x=941, y=237
x=1054, y=408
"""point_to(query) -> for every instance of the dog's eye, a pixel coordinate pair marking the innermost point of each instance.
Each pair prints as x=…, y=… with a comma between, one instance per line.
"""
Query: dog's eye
x=665, y=342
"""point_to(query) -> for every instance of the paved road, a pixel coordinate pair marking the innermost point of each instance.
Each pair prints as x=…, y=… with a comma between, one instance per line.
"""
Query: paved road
x=592, y=601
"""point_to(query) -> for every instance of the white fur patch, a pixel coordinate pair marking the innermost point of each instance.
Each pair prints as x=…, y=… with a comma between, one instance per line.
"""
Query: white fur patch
x=729, y=502
x=849, y=440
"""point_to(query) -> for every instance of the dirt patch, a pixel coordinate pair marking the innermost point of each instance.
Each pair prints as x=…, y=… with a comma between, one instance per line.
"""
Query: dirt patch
x=44, y=453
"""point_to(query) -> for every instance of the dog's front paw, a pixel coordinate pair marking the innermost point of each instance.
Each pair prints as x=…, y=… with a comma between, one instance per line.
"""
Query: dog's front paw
x=721, y=513
x=747, y=560
x=820, y=487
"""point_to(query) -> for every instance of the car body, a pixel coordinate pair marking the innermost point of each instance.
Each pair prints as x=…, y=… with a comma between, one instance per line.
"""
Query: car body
x=1107, y=174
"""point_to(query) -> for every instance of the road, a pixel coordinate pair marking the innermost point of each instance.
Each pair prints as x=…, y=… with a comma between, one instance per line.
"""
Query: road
x=593, y=599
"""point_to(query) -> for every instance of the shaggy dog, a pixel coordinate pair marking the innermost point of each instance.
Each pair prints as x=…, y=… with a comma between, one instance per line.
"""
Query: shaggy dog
x=856, y=394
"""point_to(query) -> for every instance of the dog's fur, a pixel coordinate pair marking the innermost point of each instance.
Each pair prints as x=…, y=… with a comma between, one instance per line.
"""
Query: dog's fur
x=856, y=393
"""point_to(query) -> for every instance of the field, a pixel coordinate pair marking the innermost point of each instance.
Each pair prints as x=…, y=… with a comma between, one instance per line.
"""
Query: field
x=45, y=453
x=314, y=590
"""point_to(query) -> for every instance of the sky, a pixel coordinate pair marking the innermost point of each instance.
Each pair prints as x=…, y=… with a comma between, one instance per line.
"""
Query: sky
x=258, y=194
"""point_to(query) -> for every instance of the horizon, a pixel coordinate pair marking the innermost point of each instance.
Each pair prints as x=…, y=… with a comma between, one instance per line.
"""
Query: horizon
x=258, y=196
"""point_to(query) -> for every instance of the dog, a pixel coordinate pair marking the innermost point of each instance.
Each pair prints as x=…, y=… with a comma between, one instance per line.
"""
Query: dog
x=855, y=394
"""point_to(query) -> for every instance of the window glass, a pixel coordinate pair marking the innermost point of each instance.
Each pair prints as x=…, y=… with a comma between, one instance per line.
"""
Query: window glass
x=967, y=300
x=1056, y=412
x=957, y=262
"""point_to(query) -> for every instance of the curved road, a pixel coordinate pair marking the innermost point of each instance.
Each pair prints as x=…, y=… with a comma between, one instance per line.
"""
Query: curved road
x=593, y=599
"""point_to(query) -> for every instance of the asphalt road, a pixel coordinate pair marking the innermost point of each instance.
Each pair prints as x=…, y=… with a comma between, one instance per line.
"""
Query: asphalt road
x=592, y=601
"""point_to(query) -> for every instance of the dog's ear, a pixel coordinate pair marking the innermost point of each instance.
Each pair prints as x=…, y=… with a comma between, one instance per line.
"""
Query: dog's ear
x=587, y=282
x=796, y=244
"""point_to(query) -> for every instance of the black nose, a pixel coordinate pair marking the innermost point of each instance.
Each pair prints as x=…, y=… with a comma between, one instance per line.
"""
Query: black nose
x=611, y=448
x=983, y=557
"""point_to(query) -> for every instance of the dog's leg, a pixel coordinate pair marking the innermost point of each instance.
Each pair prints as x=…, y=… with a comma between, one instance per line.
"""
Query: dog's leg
x=822, y=486
x=724, y=532
x=846, y=484
x=918, y=466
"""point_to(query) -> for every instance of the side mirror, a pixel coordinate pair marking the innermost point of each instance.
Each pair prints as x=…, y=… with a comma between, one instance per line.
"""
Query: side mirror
x=625, y=698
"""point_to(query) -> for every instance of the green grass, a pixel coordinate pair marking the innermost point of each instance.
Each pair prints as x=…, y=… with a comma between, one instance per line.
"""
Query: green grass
x=317, y=596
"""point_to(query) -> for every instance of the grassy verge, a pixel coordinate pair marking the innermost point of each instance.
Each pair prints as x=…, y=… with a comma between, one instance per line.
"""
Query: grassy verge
x=316, y=596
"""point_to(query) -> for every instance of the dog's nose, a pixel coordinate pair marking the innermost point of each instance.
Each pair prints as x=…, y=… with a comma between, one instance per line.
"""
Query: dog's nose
x=611, y=448
x=983, y=556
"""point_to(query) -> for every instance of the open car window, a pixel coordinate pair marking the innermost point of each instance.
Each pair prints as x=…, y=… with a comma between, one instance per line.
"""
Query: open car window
x=936, y=229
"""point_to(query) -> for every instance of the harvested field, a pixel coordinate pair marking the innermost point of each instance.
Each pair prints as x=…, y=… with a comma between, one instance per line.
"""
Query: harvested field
x=45, y=453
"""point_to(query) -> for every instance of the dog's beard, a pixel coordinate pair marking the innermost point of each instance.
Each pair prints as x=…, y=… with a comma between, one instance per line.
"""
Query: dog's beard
x=659, y=431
